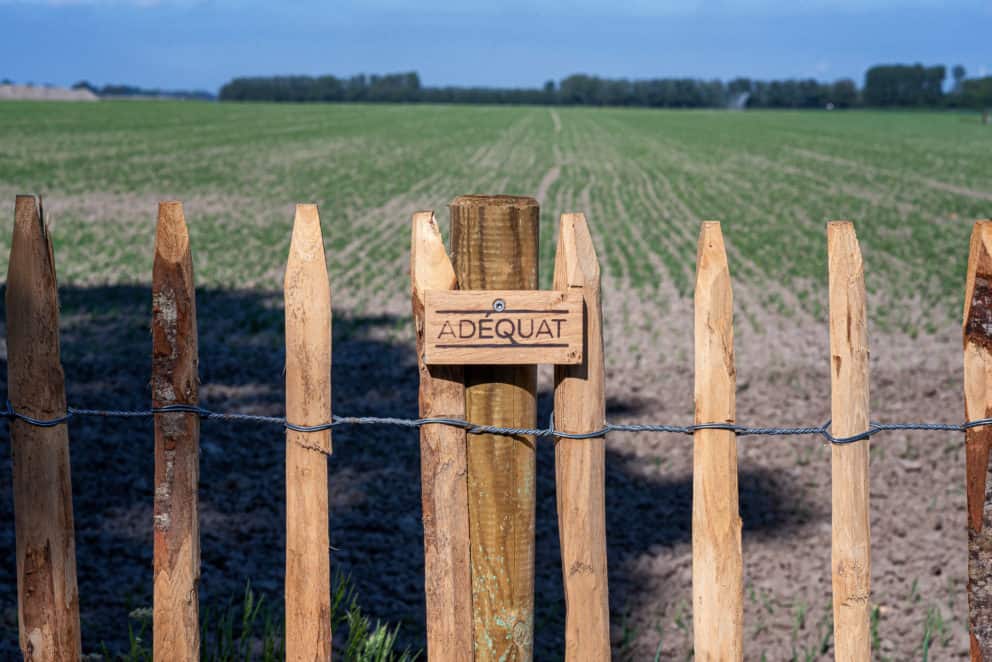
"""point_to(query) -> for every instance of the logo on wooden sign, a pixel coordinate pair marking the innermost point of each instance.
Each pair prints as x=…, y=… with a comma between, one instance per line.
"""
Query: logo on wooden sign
x=502, y=327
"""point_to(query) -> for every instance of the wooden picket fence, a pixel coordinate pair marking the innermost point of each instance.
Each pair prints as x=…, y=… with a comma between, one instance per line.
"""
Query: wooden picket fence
x=478, y=523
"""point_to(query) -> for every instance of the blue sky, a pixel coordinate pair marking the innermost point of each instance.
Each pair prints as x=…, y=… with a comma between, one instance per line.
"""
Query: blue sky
x=203, y=43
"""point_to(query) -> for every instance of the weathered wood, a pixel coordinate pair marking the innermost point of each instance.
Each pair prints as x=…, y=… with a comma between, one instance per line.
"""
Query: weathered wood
x=443, y=465
x=495, y=241
x=977, y=328
x=308, y=402
x=47, y=597
x=717, y=563
x=503, y=327
x=580, y=465
x=175, y=380
x=851, y=548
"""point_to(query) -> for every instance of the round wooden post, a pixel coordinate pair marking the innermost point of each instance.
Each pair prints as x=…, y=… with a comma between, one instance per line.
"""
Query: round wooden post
x=494, y=245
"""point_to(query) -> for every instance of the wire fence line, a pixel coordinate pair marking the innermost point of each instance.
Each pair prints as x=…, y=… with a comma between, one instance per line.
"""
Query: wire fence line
x=823, y=431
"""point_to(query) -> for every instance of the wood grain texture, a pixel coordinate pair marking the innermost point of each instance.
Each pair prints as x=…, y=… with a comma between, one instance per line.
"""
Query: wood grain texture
x=443, y=465
x=175, y=380
x=537, y=326
x=717, y=563
x=580, y=465
x=47, y=597
x=977, y=331
x=308, y=402
x=495, y=242
x=851, y=540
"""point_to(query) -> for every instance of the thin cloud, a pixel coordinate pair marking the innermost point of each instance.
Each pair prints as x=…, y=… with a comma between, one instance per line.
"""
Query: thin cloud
x=630, y=8
x=659, y=8
x=149, y=4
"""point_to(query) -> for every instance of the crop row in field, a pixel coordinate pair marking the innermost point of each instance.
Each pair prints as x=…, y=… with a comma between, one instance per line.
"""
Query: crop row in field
x=911, y=181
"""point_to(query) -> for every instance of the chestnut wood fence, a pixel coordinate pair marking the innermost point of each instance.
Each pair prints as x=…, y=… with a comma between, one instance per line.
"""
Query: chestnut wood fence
x=477, y=436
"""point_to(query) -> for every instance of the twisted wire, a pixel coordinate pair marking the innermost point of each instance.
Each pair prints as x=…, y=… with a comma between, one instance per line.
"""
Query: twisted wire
x=471, y=428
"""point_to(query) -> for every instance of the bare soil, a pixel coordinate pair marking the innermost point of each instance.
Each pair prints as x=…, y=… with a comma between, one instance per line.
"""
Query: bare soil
x=917, y=478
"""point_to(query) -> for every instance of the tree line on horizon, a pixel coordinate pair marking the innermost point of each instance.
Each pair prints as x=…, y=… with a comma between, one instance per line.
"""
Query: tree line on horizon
x=885, y=86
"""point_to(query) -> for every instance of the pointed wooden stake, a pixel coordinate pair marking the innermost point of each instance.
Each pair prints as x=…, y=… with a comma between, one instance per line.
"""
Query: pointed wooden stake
x=580, y=465
x=443, y=465
x=717, y=563
x=47, y=597
x=978, y=404
x=308, y=402
x=176, y=620
x=851, y=549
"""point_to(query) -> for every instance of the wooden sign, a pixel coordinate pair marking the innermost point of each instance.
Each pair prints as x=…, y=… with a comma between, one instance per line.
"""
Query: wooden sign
x=502, y=327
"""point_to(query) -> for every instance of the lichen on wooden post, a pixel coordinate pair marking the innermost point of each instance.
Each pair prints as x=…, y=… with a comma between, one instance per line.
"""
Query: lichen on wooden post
x=175, y=380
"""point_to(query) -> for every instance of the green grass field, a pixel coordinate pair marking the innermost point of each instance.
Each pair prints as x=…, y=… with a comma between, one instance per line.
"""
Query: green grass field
x=911, y=182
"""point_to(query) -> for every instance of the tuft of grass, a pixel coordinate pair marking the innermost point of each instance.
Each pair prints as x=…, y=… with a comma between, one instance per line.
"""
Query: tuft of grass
x=232, y=633
x=807, y=652
x=935, y=629
x=660, y=629
x=914, y=592
x=251, y=630
x=628, y=635
x=876, y=617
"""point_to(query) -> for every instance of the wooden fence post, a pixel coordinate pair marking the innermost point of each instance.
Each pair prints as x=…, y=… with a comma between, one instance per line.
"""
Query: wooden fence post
x=443, y=465
x=47, y=596
x=308, y=402
x=495, y=242
x=580, y=465
x=977, y=405
x=176, y=620
x=851, y=540
x=717, y=564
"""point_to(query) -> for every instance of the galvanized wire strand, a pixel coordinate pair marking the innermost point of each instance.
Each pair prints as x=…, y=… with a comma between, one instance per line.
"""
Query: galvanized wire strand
x=471, y=428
